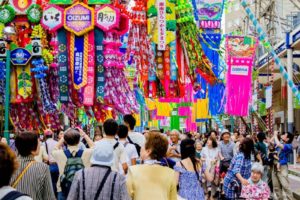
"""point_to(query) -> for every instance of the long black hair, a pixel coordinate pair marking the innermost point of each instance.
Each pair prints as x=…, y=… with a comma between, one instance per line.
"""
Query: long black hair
x=188, y=150
x=247, y=147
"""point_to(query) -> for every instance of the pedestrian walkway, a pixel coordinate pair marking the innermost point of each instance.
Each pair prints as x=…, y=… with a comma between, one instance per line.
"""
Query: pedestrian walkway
x=294, y=178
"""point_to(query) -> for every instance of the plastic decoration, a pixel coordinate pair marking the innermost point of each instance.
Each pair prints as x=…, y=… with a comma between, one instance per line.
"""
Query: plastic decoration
x=34, y=13
x=24, y=82
x=189, y=40
x=7, y=14
x=99, y=1
x=2, y=81
x=21, y=6
x=79, y=19
x=107, y=17
x=52, y=19
x=61, y=2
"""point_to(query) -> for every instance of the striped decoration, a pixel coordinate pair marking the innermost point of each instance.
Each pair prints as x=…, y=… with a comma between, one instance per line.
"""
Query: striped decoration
x=218, y=122
x=263, y=39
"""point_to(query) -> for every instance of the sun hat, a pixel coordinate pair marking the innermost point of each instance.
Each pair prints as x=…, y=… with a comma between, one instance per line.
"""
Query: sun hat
x=103, y=154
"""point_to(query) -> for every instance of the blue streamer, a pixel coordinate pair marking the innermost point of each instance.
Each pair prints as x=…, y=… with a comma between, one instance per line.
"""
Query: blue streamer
x=2, y=81
x=215, y=94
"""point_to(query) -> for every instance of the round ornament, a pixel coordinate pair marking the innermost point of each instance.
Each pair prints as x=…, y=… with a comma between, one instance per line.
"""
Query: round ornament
x=7, y=14
x=34, y=13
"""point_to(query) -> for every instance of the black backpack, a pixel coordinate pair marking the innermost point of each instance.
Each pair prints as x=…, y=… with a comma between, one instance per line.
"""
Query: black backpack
x=13, y=195
x=74, y=164
x=138, y=147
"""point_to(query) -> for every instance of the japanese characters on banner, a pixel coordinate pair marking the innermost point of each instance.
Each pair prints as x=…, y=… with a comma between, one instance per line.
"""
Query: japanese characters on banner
x=161, y=19
x=240, y=53
x=52, y=19
x=268, y=95
x=107, y=17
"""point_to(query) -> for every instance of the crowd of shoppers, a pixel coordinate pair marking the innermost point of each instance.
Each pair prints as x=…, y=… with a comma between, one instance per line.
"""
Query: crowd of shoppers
x=121, y=164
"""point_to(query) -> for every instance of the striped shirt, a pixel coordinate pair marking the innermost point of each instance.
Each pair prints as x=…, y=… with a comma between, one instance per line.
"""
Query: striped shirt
x=93, y=177
x=36, y=182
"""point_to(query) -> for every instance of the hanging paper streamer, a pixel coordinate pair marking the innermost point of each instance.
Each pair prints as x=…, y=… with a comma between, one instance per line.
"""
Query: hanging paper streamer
x=240, y=58
x=201, y=109
x=268, y=95
x=79, y=60
x=210, y=13
x=219, y=123
x=216, y=95
x=88, y=98
x=264, y=40
x=189, y=40
x=24, y=82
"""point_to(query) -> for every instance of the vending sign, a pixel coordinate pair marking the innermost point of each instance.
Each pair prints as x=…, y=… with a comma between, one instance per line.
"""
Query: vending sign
x=79, y=19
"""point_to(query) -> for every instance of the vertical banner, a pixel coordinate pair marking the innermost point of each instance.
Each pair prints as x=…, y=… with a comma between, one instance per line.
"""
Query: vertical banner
x=63, y=66
x=161, y=21
x=88, y=96
x=100, y=80
x=240, y=60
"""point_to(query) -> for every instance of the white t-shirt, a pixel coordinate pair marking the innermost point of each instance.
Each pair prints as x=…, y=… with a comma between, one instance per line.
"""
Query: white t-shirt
x=51, y=143
x=209, y=155
x=137, y=138
x=131, y=154
x=6, y=189
x=120, y=155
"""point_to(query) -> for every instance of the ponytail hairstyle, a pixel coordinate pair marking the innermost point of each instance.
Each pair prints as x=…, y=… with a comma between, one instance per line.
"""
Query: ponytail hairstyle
x=188, y=150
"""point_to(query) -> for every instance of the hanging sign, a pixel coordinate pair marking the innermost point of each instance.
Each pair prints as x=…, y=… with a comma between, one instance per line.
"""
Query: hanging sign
x=34, y=13
x=161, y=21
x=79, y=19
x=21, y=6
x=241, y=70
x=61, y=2
x=107, y=17
x=20, y=56
x=52, y=19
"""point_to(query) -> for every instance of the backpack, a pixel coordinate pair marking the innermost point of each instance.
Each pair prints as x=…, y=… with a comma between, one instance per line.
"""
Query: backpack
x=74, y=163
x=138, y=148
x=12, y=195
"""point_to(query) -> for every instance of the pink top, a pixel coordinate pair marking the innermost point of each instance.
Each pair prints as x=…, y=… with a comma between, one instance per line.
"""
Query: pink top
x=259, y=191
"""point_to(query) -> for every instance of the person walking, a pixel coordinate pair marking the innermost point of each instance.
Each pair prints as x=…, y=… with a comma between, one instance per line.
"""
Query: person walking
x=135, y=138
x=71, y=159
x=210, y=154
x=190, y=172
x=280, y=178
x=239, y=170
x=8, y=165
x=174, y=147
x=99, y=181
x=226, y=151
x=32, y=178
x=110, y=127
x=151, y=180
x=130, y=149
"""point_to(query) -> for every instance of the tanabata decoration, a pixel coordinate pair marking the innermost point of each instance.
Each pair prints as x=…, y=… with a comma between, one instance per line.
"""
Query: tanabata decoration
x=189, y=32
x=210, y=13
x=7, y=14
x=21, y=6
x=240, y=60
x=139, y=51
x=34, y=13
x=2, y=81
x=52, y=18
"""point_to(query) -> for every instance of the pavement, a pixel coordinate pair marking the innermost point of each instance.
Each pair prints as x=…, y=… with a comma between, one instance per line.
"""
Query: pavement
x=294, y=178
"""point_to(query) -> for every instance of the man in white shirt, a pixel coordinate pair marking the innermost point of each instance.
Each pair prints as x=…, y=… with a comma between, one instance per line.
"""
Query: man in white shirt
x=134, y=137
x=110, y=127
x=129, y=148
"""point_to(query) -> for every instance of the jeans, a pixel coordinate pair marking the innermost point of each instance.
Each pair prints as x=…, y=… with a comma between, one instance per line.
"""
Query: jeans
x=60, y=196
x=54, y=176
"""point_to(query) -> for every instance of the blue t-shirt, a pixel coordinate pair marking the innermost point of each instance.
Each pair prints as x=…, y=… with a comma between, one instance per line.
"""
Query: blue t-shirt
x=284, y=154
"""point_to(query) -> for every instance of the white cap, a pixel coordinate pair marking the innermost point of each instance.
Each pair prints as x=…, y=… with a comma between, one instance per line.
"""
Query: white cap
x=103, y=154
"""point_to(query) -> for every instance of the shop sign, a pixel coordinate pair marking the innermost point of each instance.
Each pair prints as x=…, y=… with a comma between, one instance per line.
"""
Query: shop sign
x=79, y=19
x=52, y=19
x=107, y=17
x=20, y=56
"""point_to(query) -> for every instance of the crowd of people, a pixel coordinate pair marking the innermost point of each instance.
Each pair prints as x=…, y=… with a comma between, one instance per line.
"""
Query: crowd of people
x=120, y=164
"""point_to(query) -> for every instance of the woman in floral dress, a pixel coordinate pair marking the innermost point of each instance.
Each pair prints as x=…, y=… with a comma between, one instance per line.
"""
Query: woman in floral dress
x=257, y=189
